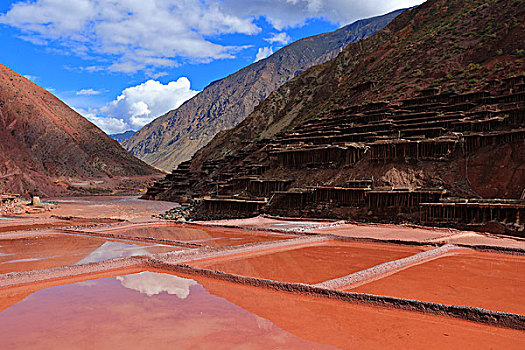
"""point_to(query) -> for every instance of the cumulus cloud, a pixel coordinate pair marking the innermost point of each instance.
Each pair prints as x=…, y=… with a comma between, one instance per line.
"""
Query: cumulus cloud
x=144, y=35
x=139, y=34
x=107, y=124
x=292, y=13
x=138, y=105
x=279, y=38
x=263, y=53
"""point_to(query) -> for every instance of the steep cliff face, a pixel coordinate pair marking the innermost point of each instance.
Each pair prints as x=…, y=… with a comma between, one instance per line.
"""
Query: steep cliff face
x=42, y=140
x=176, y=136
x=453, y=46
x=435, y=99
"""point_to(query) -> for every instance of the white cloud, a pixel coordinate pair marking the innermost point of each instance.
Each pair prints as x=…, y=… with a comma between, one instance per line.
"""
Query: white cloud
x=263, y=53
x=279, y=38
x=292, y=13
x=107, y=124
x=156, y=75
x=138, y=34
x=143, y=35
x=33, y=78
x=138, y=105
x=88, y=92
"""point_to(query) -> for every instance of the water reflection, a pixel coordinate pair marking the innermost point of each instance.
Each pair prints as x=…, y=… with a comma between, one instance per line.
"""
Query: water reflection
x=152, y=283
x=112, y=250
x=25, y=260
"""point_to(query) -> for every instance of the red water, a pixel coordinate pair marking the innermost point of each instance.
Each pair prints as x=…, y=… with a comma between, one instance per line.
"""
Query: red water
x=211, y=236
x=160, y=311
x=356, y=326
x=311, y=264
x=49, y=250
x=139, y=311
x=490, y=281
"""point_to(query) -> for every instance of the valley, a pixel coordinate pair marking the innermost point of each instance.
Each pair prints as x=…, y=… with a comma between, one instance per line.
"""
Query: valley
x=262, y=175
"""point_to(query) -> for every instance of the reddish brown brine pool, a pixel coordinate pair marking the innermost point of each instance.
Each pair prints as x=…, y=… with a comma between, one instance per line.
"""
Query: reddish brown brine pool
x=313, y=264
x=155, y=310
x=210, y=236
x=46, y=251
x=490, y=281
x=146, y=310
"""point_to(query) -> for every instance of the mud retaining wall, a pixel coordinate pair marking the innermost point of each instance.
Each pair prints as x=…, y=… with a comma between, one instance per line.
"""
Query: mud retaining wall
x=495, y=318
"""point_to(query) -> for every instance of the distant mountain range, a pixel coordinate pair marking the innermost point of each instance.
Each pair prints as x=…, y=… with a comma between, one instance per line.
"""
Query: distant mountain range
x=177, y=135
x=122, y=136
x=45, y=146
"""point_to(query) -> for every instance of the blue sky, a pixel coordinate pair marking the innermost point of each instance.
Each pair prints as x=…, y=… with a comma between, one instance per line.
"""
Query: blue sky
x=121, y=63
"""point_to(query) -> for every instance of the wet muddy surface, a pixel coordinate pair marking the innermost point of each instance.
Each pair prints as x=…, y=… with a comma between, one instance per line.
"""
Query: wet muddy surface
x=147, y=310
x=487, y=240
x=490, y=281
x=98, y=296
x=54, y=250
x=353, y=326
x=311, y=264
x=8, y=225
x=124, y=208
x=265, y=223
x=398, y=232
x=210, y=236
x=155, y=310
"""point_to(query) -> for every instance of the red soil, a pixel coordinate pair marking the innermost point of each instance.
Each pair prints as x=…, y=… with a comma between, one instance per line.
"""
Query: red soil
x=398, y=232
x=312, y=264
x=268, y=223
x=490, y=281
x=120, y=207
x=474, y=239
x=34, y=224
x=421, y=234
x=45, y=145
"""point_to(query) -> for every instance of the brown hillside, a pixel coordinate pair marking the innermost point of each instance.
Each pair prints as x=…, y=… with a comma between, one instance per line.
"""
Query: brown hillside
x=454, y=45
x=429, y=109
x=177, y=135
x=42, y=140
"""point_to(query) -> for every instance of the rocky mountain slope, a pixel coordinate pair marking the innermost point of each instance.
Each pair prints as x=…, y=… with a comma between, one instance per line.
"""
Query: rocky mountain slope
x=176, y=136
x=46, y=147
x=122, y=136
x=431, y=106
x=456, y=46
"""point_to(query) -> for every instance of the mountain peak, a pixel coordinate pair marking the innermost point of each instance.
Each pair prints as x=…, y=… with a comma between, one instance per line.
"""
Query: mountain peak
x=44, y=144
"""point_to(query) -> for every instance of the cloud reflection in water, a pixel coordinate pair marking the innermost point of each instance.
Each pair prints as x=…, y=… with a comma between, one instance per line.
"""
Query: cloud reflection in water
x=152, y=283
x=111, y=250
